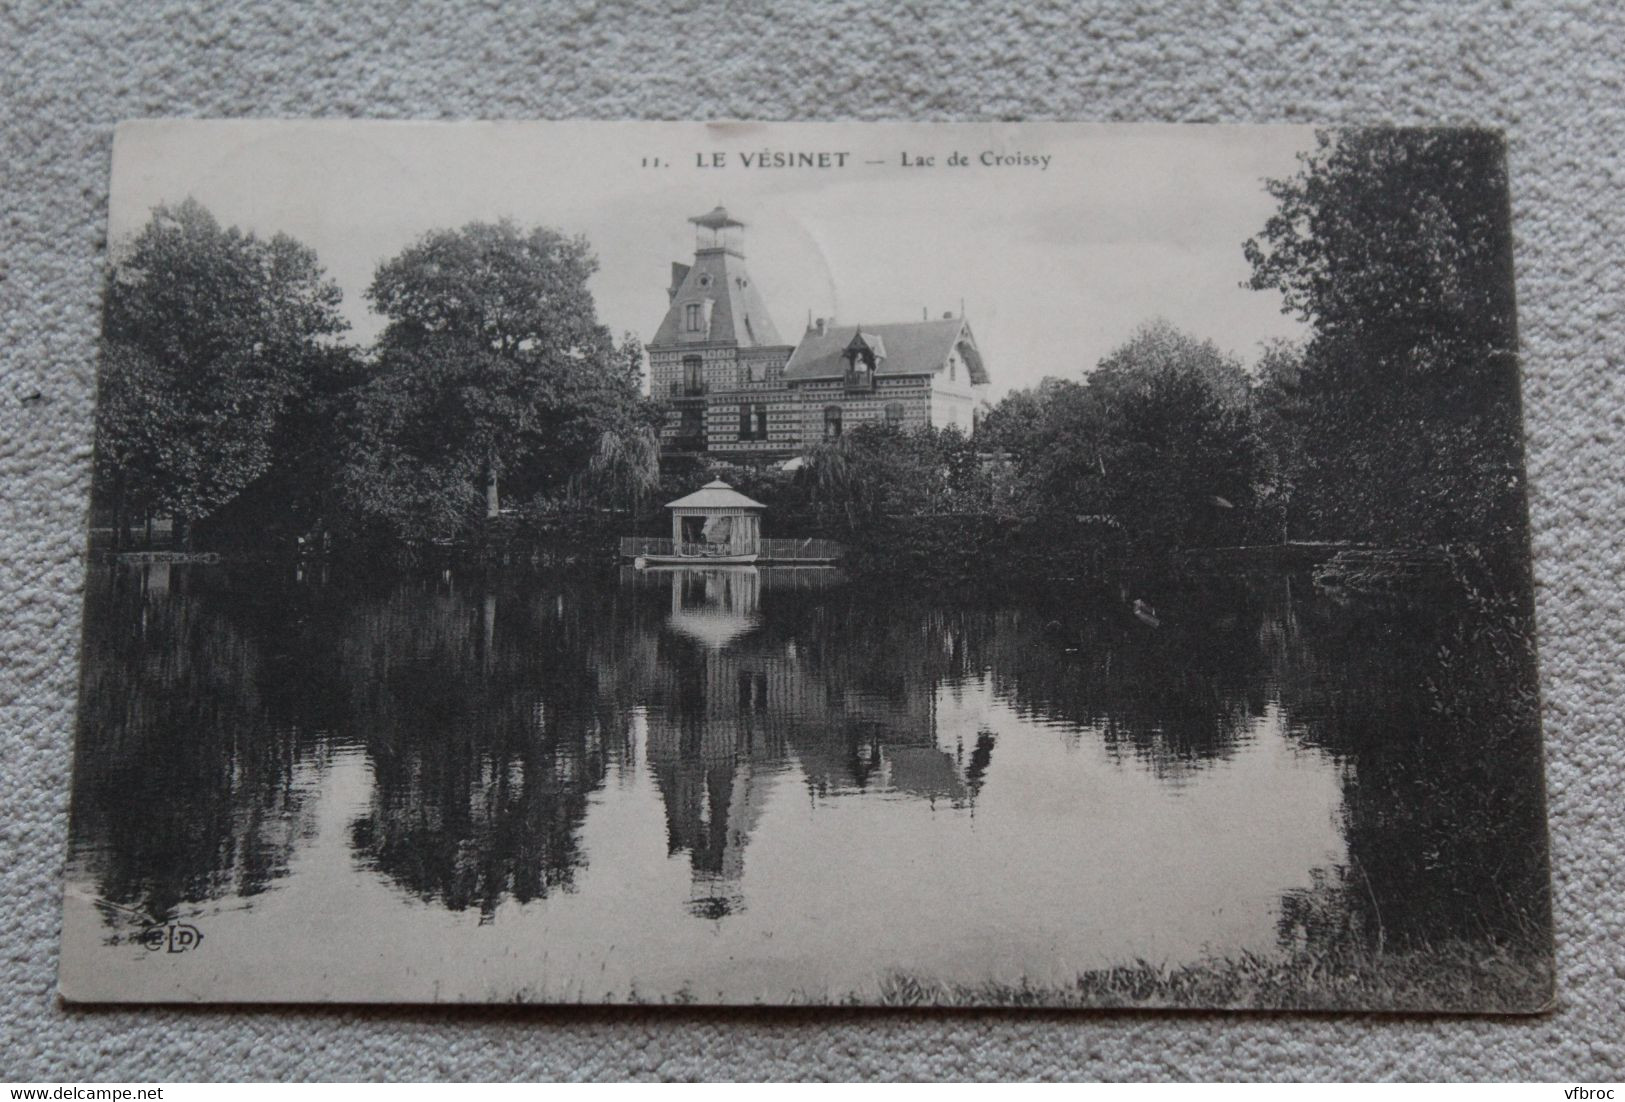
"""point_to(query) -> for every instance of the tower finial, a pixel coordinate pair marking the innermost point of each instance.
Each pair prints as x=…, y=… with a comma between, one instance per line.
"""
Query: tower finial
x=717, y=219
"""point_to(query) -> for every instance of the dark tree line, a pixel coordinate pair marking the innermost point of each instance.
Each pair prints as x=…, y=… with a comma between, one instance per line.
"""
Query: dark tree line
x=1396, y=422
x=231, y=402
x=214, y=340
x=1396, y=247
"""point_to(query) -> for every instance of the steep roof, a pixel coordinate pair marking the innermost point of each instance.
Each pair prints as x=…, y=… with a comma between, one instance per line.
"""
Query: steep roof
x=715, y=495
x=908, y=348
x=737, y=313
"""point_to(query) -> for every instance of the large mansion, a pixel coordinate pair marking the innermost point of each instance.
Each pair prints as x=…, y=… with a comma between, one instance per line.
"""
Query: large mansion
x=737, y=389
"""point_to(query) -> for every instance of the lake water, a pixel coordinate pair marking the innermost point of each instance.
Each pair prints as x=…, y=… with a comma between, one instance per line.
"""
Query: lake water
x=751, y=784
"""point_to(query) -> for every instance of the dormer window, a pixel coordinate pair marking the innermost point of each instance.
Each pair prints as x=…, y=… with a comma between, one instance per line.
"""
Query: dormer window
x=693, y=317
x=863, y=356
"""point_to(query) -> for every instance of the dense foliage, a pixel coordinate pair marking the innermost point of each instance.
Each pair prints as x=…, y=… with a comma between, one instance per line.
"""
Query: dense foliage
x=493, y=373
x=212, y=337
x=1395, y=246
x=1160, y=439
x=495, y=397
x=229, y=402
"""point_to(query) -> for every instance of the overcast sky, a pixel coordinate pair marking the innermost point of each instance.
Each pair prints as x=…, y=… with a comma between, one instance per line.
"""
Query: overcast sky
x=1055, y=265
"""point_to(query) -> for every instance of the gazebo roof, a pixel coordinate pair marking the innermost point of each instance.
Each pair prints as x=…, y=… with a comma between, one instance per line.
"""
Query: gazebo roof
x=712, y=627
x=715, y=495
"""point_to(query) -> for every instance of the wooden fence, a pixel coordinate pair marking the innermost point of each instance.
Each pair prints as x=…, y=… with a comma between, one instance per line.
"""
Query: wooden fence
x=803, y=550
x=776, y=551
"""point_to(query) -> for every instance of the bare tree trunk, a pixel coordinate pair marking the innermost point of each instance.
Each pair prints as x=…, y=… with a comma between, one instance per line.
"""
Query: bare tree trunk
x=488, y=616
x=119, y=521
x=493, y=503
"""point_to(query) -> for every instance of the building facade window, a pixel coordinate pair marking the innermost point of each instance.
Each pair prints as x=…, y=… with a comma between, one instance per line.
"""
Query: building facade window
x=832, y=422
x=753, y=422
x=894, y=413
x=691, y=313
x=693, y=375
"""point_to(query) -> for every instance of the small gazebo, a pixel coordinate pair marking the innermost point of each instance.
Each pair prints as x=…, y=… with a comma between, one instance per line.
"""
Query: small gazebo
x=716, y=524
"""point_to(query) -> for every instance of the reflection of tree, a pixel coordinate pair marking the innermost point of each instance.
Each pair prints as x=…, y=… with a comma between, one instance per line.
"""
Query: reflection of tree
x=1173, y=697
x=487, y=732
x=1432, y=701
x=491, y=714
x=186, y=781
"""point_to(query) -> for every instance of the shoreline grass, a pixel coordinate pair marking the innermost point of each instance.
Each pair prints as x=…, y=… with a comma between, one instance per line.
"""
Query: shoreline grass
x=1454, y=977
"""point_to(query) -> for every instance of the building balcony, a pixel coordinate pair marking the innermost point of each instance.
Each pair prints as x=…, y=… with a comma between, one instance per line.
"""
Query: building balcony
x=684, y=442
x=688, y=390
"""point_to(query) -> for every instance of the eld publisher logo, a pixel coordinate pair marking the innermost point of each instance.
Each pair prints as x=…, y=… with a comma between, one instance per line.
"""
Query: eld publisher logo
x=171, y=937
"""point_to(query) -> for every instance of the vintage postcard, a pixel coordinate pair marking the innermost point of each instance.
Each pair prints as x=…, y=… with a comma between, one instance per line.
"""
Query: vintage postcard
x=1053, y=565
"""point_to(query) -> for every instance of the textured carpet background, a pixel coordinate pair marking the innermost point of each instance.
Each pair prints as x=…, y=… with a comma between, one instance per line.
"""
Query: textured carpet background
x=1553, y=76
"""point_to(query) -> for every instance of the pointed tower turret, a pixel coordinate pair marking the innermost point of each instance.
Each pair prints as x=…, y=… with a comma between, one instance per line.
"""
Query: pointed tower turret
x=713, y=301
x=717, y=357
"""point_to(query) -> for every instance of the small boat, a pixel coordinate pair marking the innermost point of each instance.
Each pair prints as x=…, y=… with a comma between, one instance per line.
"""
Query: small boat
x=647, y=561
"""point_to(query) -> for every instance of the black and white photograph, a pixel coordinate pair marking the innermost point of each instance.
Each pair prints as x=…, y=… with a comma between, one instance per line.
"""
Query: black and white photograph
x=877, y=564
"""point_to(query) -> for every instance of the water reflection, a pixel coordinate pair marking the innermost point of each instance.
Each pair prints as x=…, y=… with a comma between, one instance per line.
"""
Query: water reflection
x=486, y=731
x=895, y=780
x=187, y=775
x=729, y=705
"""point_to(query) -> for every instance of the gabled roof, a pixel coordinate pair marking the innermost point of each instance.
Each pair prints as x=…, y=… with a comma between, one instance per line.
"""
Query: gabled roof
x=910, y=348
x=715, y=495
x=872, y=341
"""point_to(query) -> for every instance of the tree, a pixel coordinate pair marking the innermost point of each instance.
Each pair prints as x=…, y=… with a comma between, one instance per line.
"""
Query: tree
x=1178, y=453
x=881, y=470
x=492, y=374
x=1054, y=432
x=1158, y=439
x=1395, y=245
x=625, y=468
x=1279, y=413
x=296, y=497
x=210, y=337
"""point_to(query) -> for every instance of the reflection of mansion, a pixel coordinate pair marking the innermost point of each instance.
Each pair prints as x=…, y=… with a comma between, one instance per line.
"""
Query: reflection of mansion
x=732, y=712
x=737, y=389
